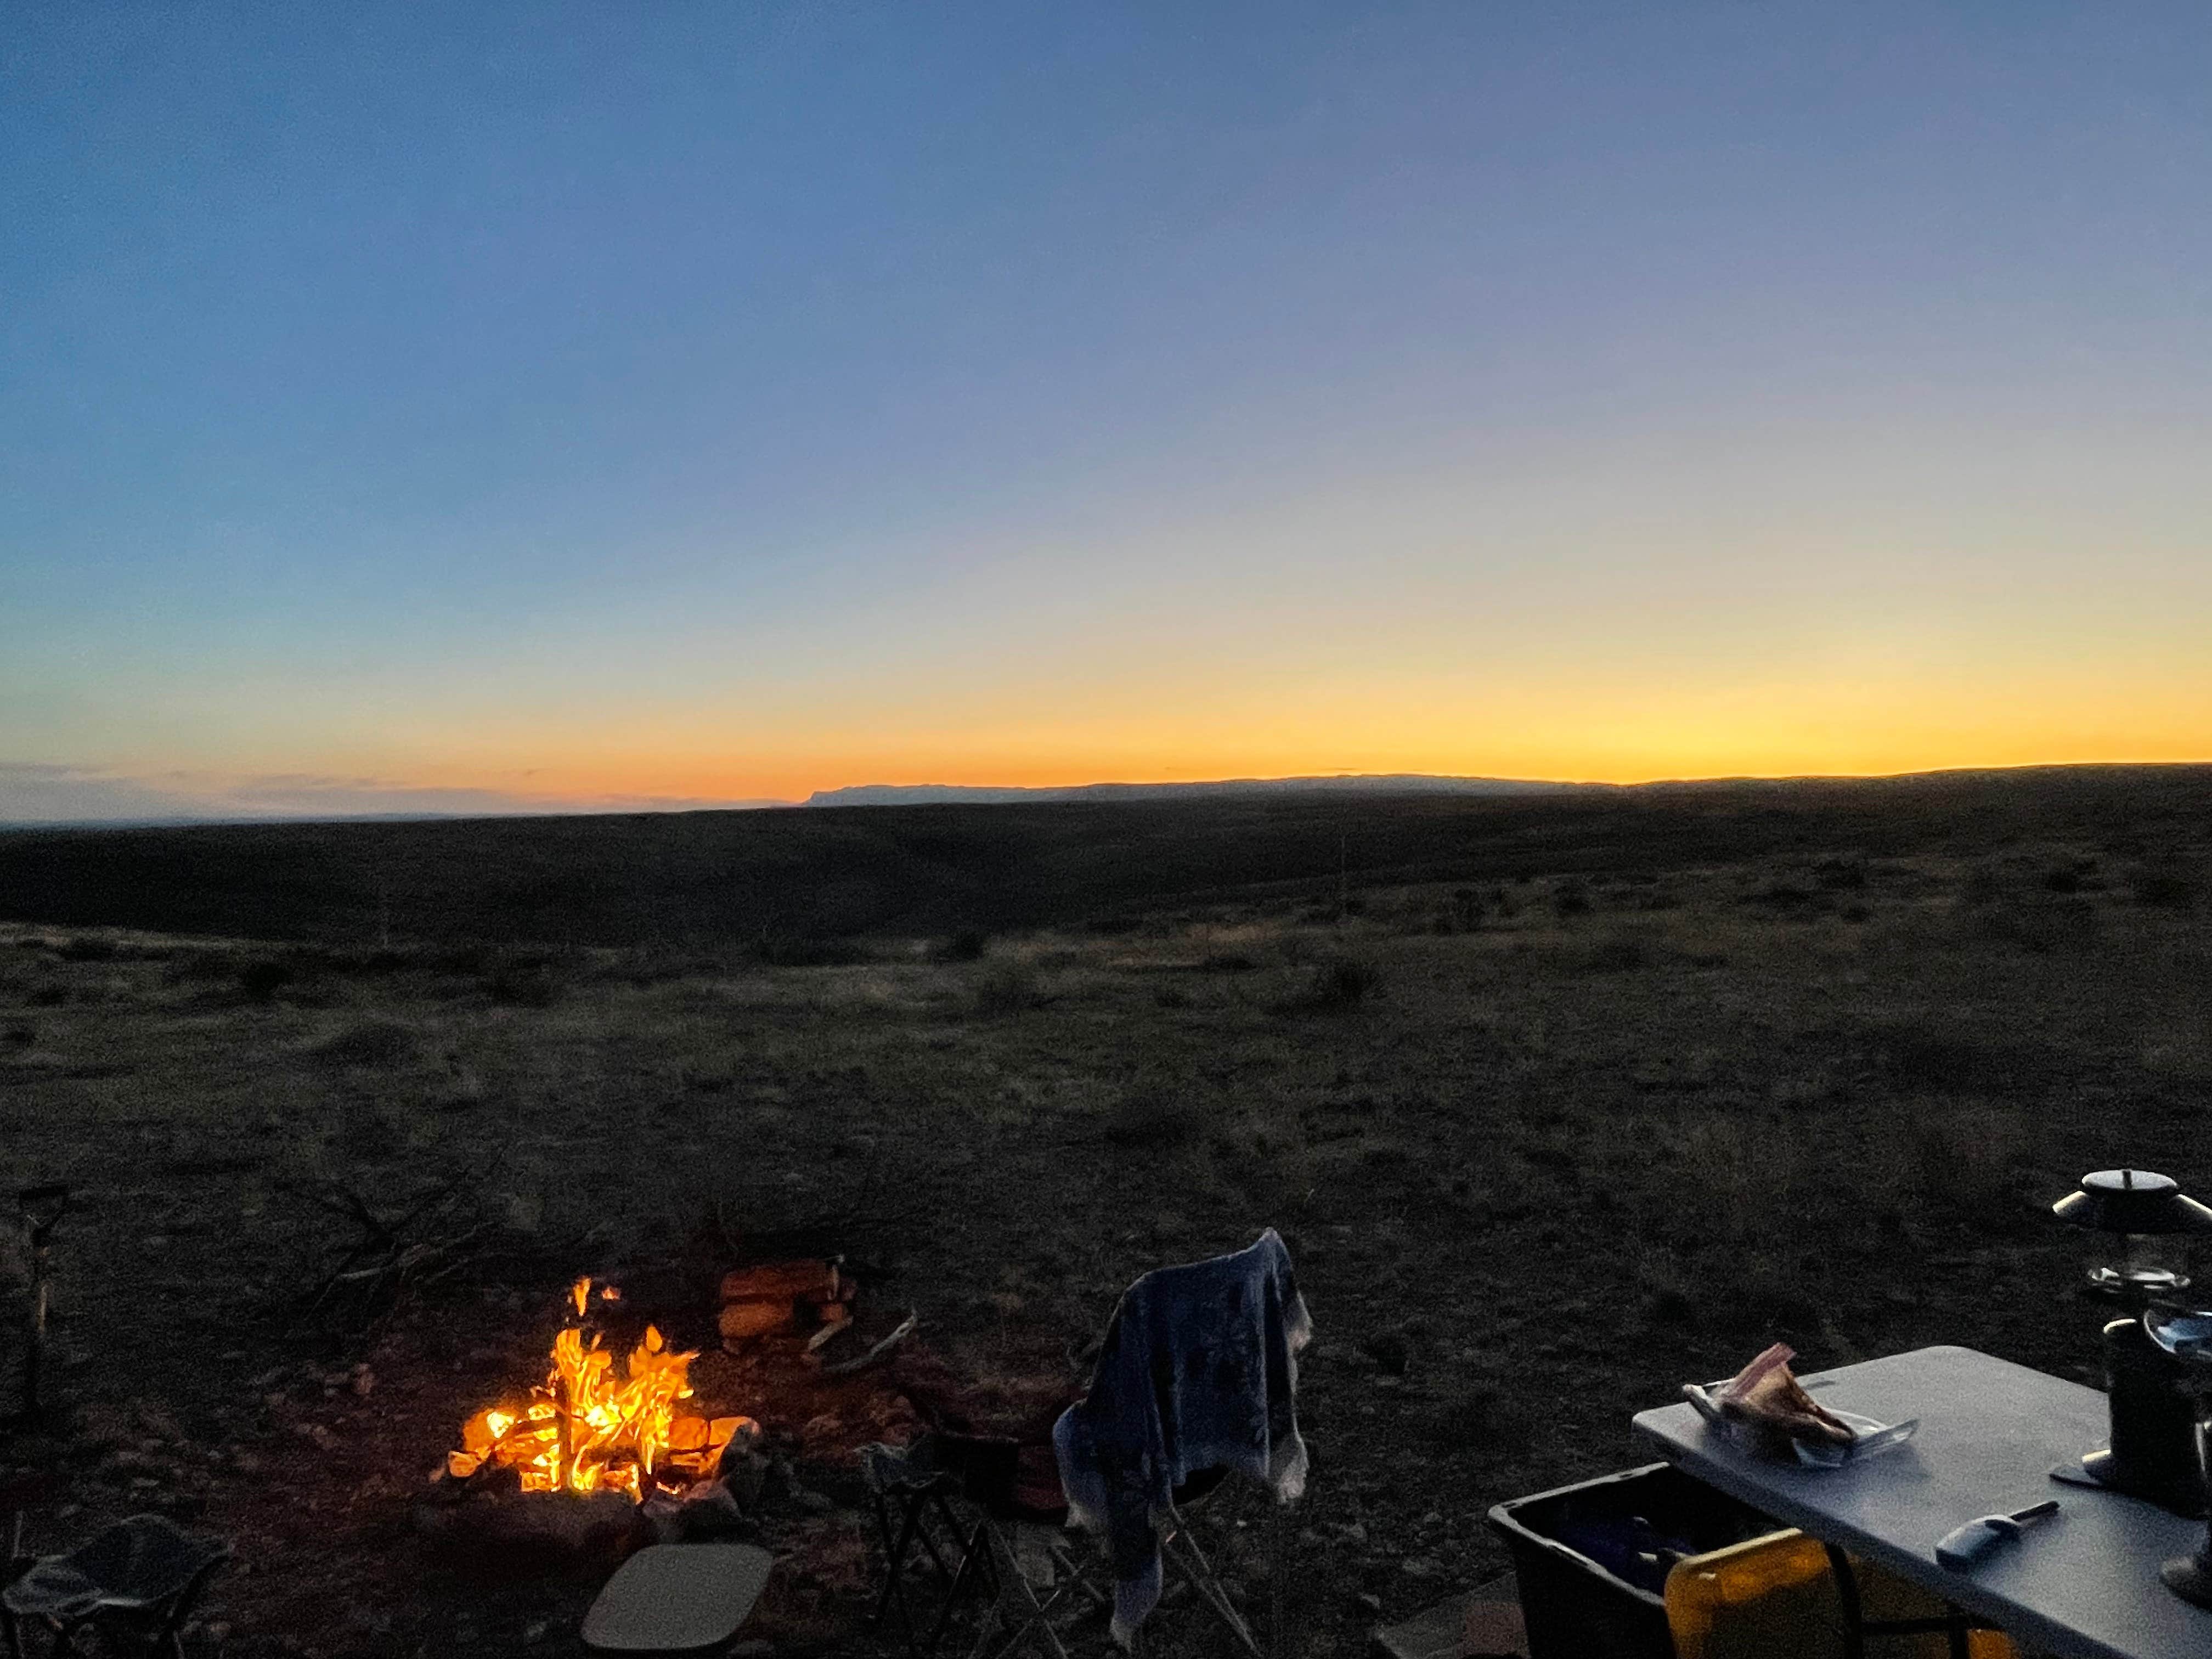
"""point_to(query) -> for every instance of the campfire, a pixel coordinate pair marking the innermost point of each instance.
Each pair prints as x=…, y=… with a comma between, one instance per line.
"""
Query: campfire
x=587, y=1429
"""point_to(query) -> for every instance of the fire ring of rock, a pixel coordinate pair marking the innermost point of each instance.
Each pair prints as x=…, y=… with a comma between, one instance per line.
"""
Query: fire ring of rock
x=625, y=1443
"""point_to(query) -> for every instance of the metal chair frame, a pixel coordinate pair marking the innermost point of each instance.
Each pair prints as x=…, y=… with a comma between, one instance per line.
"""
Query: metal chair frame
x=905, y=1510
x=159, y=1628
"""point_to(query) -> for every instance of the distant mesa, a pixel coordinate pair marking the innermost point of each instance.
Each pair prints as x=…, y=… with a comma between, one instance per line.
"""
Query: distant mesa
x=1391, y=783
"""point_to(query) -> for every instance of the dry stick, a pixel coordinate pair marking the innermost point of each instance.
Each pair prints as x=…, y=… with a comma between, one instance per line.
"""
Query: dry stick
x=847, y=1367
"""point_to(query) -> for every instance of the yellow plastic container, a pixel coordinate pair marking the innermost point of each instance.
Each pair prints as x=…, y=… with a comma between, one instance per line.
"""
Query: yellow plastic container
x=1775, y=1598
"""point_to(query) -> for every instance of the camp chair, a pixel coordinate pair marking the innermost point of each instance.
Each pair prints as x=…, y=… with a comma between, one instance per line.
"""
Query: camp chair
x=997, y=1562
x=1786, y=1594
x=136, y=1583
x=1181, y=1558
x=911, y=1493
x=1020, y=1546
x=677, y=1598
x=1139, y=1342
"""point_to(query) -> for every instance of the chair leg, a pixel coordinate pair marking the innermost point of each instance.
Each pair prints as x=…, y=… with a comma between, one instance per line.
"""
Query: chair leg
x=975, y=1565
x=895, y=1565
x=1033, y=1615
x=1207, y=1584
x=1275, y=1570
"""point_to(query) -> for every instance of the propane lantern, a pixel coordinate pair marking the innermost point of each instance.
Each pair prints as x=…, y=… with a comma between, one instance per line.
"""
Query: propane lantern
x=2140, y=1225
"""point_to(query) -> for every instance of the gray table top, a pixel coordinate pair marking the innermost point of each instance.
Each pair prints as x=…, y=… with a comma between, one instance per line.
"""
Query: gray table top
x=2082, y=1585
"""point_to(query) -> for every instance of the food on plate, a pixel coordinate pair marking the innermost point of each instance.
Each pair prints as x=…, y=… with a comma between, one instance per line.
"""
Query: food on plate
x=1764, y=1392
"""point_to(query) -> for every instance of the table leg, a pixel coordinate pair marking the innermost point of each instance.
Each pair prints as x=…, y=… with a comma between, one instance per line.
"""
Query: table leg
x=1847, y=1601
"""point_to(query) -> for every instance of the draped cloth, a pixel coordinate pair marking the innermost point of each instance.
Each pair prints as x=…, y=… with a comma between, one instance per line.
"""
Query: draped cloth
x=1198, y=1371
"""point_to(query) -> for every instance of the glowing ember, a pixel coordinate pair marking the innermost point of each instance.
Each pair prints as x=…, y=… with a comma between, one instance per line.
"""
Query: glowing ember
x=584, y=1429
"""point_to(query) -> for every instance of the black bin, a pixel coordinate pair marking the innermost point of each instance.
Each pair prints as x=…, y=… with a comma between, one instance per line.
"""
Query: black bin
x=1586, y=1602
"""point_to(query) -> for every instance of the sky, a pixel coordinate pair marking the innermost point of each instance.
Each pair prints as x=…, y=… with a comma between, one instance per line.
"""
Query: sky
x=477, y=408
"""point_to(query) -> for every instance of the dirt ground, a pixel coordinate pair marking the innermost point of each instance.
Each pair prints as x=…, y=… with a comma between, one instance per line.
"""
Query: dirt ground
x=1543, y=1150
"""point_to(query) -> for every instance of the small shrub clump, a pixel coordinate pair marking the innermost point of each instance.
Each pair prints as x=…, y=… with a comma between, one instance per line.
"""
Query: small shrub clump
x=372, y=1043
x=1150, y=1119
x=1007, y=988
x=791, y=951
x=2166, y=889
x=523, y=984
x=1339, y=983
x=1620, y=954
x=968, y=945
x=260, y=979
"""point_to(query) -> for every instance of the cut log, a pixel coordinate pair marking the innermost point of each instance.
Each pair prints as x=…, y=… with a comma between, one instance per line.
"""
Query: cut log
x=789, y=1281
x=743, y=1321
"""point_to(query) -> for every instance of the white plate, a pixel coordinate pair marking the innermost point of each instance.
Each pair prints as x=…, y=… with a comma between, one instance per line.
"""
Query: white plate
x=1871, y=1435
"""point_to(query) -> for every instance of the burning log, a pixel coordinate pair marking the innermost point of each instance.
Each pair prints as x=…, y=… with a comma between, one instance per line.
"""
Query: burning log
x=587, y=1429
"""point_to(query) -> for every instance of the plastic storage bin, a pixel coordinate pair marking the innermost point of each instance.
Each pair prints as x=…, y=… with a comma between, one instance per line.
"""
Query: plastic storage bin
x=1592, y=1558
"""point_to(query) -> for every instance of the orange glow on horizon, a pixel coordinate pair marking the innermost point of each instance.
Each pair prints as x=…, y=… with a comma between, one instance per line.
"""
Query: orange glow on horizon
x=1631, y=725
x=707, y=782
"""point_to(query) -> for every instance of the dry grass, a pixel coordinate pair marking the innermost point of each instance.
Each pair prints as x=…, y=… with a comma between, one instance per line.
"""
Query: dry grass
x=1572, y=1160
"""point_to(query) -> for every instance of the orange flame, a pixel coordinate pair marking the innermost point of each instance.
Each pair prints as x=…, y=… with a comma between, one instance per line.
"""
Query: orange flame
x=585, y=1429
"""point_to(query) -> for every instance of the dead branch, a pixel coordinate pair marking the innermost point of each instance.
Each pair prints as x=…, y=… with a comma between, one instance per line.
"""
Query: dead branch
x=387, y=1259
x=875, y=1355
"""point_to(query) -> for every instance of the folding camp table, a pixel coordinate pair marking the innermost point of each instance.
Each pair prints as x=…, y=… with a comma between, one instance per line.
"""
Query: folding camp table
x=2083, y=1585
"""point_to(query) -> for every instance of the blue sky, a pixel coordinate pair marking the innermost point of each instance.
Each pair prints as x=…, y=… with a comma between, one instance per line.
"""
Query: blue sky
x=594, y=405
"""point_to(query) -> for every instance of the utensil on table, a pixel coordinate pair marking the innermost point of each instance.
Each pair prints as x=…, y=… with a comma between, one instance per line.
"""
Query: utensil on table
x=1965, y=1546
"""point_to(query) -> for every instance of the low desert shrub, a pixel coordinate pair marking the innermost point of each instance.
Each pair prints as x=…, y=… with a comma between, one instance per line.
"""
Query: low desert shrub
x=200, y=966
x=1482, y=1417
x=968, y=945
x=371, y=1043
x=2166, y=889
x=1966, y=1162
x=1788, y=899
x=2044, y=924
x=86, y=947
x=1622, y=953
x=1150, y=1118
x=1919, y=1057
x=791, y=951
x=1007, y=986
x=1339, y=983
x=1571, y=898
x=260, y=979
x=523, y=981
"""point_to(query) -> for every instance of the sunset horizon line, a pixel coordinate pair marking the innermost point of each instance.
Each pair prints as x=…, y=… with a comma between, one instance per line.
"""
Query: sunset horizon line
x=298, y=799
